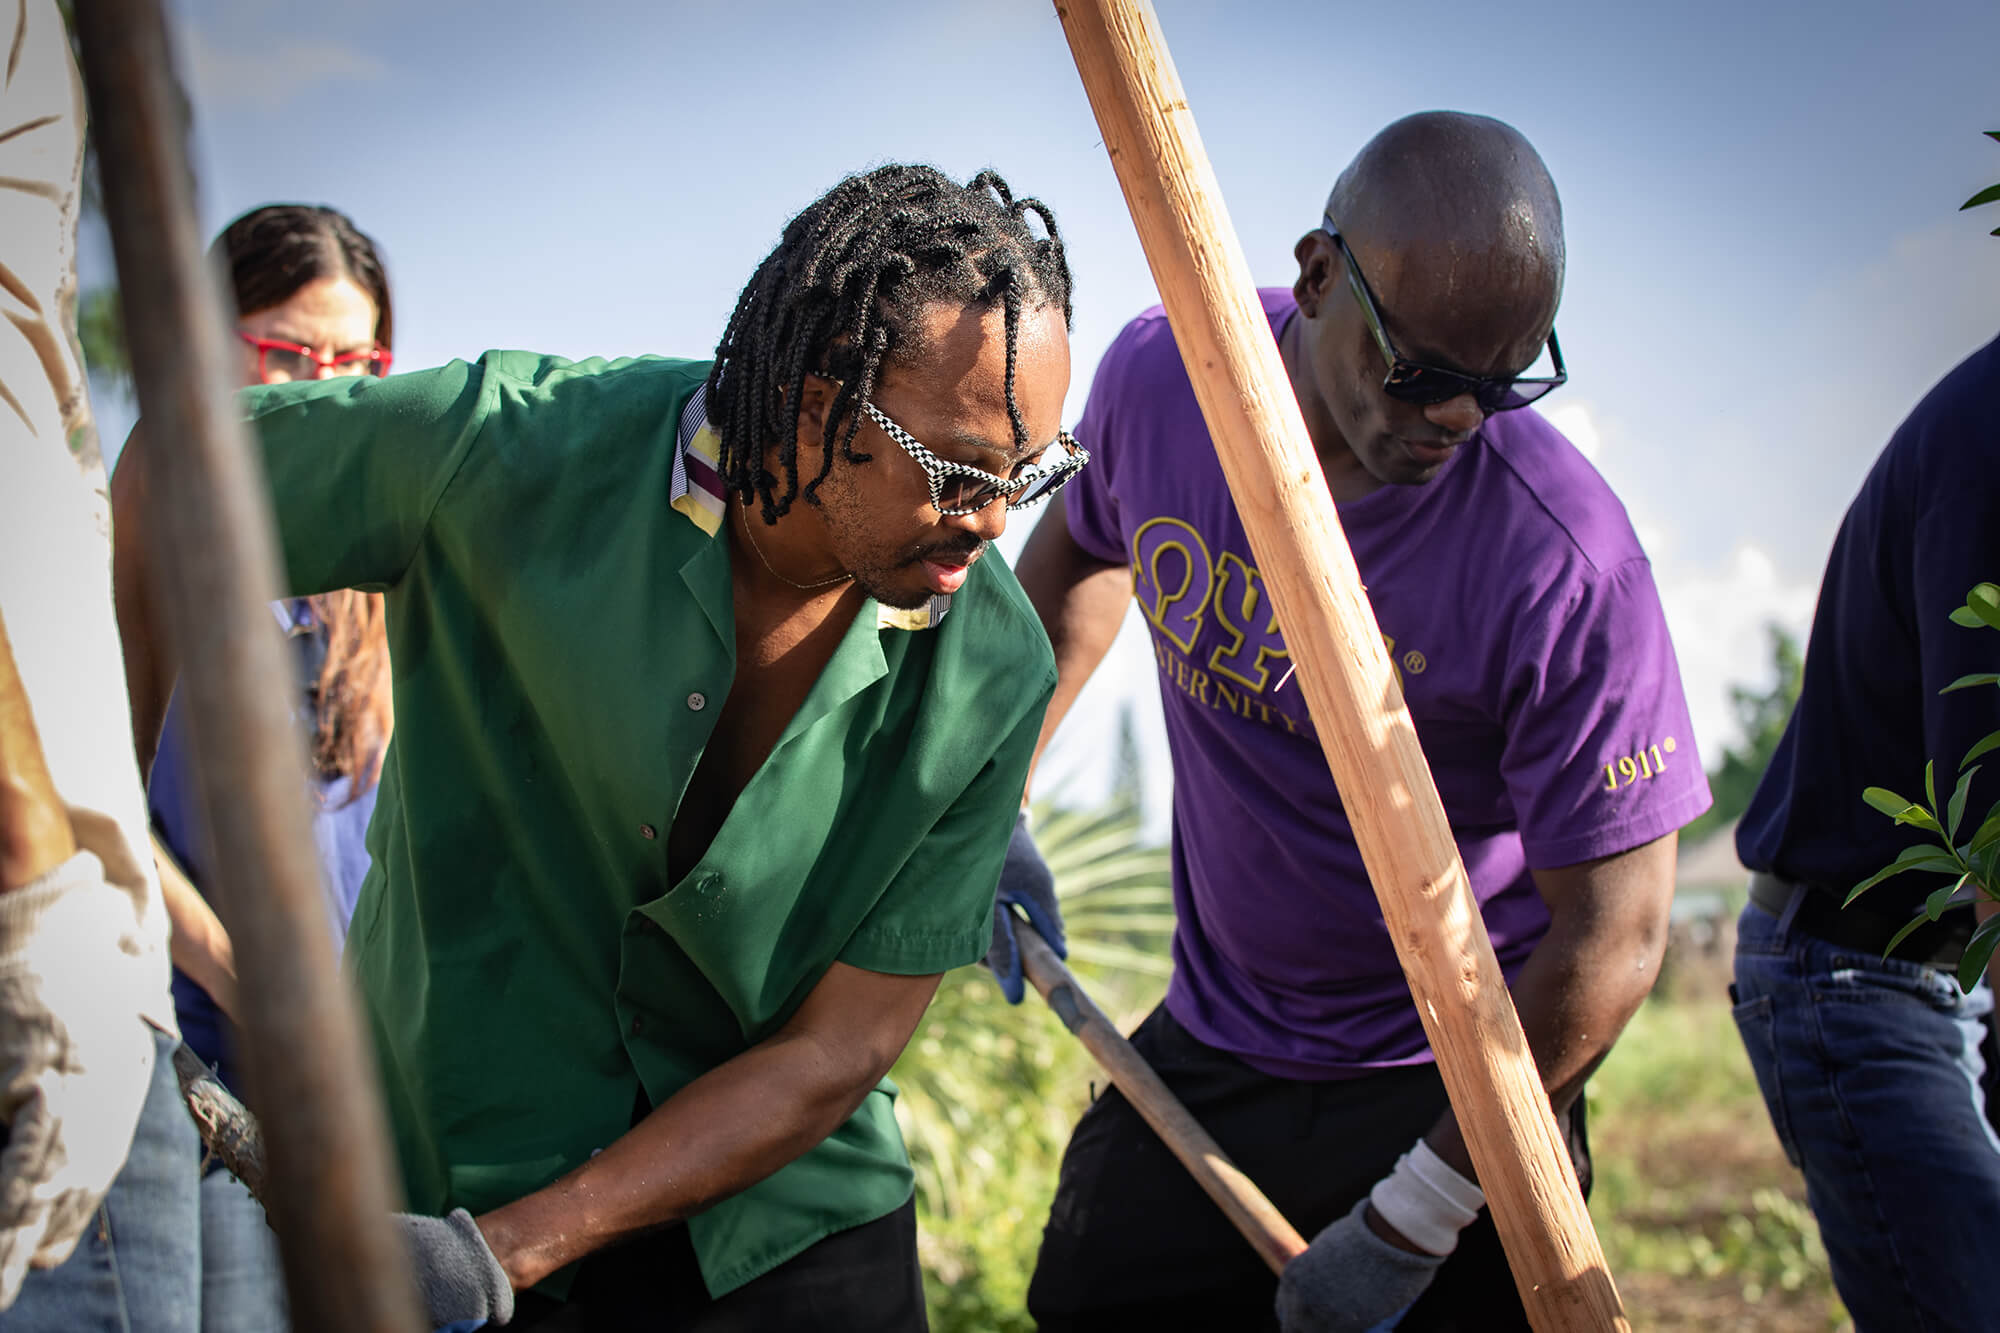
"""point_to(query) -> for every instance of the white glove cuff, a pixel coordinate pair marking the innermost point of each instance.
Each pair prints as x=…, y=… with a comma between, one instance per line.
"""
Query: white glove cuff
x=1426, y=1201
x=23, y=910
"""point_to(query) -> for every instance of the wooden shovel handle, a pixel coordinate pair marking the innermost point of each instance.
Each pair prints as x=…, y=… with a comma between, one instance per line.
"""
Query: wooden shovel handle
x=1275, y=1239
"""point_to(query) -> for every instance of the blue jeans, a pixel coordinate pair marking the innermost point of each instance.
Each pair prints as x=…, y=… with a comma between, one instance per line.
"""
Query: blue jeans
x=242, y=1283
x=137, y=1268
x=1871, y=1072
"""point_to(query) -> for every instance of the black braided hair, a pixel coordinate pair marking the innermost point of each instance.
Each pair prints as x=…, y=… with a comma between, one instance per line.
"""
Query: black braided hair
x=843, y=290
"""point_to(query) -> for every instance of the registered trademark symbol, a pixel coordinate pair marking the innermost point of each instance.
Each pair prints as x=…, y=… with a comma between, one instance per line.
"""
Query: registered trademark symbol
x=1414, y=663
x=1668, y=745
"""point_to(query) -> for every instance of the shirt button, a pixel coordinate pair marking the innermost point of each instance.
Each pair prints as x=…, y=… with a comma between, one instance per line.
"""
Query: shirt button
x=697, y=701
x=638, y=1026
x=648, y=831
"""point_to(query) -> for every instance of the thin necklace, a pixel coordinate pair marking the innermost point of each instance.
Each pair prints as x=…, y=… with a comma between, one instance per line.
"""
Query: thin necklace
x=802, y=587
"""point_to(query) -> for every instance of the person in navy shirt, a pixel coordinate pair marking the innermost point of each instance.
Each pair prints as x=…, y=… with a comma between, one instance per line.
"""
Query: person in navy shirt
x=1871, y=1068
x=312, y=302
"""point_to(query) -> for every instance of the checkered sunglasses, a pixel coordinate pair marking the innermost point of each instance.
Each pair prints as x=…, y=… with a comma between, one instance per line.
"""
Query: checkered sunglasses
x=958, y=489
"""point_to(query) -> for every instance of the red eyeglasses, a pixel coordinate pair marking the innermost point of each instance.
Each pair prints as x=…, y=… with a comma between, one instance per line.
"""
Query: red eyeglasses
x=296, y=362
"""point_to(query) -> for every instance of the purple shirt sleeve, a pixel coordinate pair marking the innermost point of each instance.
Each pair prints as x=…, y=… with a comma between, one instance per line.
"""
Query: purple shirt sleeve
x=1600, y=754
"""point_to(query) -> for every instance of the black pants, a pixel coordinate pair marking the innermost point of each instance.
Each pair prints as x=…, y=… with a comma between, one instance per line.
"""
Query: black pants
x=1132, y=1242
x=862, y=1280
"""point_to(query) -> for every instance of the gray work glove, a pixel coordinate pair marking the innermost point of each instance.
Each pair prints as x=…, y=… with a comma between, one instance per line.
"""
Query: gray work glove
x=1025, y=882
x=457, y=1274
x=1350, y=1280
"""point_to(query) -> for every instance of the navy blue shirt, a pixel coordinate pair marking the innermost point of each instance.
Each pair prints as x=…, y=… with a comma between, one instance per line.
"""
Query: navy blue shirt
x=339, y=830
x=1924, y=529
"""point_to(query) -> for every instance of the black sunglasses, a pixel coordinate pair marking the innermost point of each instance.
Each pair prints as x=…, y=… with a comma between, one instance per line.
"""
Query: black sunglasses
x=1414, y=383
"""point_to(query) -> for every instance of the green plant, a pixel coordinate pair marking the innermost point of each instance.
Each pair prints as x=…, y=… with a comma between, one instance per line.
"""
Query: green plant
x=989, y=1093
x=1972, y=863
x=1989, y=195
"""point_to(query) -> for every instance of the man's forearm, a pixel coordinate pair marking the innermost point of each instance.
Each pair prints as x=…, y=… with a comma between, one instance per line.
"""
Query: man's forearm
x=150, y=668
x=1081, y=601
x=1586, y=978
x=722, y=1133
x=198, y=942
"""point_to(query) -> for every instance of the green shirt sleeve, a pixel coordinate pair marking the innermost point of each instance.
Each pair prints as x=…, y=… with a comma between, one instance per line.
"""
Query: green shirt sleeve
x=356, y=466
x=937, y=913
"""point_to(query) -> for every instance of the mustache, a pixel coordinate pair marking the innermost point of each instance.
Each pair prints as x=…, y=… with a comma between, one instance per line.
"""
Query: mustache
x=955, y=552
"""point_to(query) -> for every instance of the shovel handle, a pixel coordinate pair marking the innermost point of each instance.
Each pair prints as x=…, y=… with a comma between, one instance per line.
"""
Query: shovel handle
x=1274, y=1239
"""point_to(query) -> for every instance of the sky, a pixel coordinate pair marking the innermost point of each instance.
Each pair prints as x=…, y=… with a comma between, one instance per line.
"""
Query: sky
x=1766, y=264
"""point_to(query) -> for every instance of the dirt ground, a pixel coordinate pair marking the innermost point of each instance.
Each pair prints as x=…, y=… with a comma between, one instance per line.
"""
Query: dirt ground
x=1701, y=1175
x=1702, y=1218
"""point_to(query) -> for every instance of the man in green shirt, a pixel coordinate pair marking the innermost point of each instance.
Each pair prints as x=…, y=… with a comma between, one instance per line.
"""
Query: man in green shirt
x=696, y=789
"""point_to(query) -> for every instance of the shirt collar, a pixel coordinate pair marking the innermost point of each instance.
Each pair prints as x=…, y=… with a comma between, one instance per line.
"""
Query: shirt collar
x=699, y=493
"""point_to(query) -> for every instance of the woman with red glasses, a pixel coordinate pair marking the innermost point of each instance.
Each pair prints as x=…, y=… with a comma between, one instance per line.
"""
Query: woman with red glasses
x=312, y=302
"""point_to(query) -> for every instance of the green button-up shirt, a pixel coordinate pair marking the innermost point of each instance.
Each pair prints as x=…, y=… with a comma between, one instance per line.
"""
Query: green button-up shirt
x=562, y=638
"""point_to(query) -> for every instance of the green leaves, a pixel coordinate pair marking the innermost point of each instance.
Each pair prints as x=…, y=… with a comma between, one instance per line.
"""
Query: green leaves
x=1982, y=607
x=1973, y=864
x=1987, y=743
x=1956, y=811
x=1946, y=898
x=1988, y=834
x=1921, y=856
x=1978, y=950
x=1901, y=810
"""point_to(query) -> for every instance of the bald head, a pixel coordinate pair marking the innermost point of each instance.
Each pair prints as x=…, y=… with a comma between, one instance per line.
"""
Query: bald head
x=1457, y=267
x=1462, y=200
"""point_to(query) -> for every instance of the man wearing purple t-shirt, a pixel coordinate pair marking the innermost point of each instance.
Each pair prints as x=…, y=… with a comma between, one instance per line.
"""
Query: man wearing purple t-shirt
x=1521, y=614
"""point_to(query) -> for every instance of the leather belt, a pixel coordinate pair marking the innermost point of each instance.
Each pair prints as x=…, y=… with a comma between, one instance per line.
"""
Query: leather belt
x=1862, y=927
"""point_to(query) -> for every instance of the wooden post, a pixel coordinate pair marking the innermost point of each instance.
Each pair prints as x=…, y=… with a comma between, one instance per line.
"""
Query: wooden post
x=1357, y=708
x=329, y=1192
x=1275, y=1240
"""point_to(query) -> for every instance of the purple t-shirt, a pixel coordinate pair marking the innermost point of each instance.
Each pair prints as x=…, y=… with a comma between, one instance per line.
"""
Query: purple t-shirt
x=1521, y=615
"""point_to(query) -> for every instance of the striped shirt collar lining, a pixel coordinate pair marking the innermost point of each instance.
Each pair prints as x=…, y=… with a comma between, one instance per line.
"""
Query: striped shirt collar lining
x=699, y=493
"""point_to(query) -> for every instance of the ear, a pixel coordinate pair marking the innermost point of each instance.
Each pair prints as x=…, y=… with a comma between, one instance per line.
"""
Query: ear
x=815, y=403
x=1318, y=265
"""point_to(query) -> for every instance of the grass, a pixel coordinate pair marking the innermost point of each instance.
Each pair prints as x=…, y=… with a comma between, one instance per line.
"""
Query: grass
x=1703, y=1220
x=990, y=1092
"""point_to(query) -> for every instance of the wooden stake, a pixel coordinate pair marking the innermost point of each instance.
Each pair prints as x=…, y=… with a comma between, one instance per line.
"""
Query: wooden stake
x=329, y=1189
x=1274, y=1239
x=1349, y=684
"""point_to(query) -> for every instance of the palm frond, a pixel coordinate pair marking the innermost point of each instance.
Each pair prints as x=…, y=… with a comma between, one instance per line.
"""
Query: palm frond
x=989, y=1092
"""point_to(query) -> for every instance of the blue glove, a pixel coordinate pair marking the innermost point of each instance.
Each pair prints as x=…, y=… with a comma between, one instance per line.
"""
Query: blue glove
x=1025, y=882
x=1350, y=1280
x=457, y=1274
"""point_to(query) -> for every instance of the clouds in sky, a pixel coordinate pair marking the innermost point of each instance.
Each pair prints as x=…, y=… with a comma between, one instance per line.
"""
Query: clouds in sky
x=1719, y=617
x=1719, y=598
x=1737, y=504
x=228, y=69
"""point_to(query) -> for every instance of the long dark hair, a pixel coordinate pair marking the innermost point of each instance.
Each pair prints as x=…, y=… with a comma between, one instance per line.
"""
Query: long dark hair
x=269, y=254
